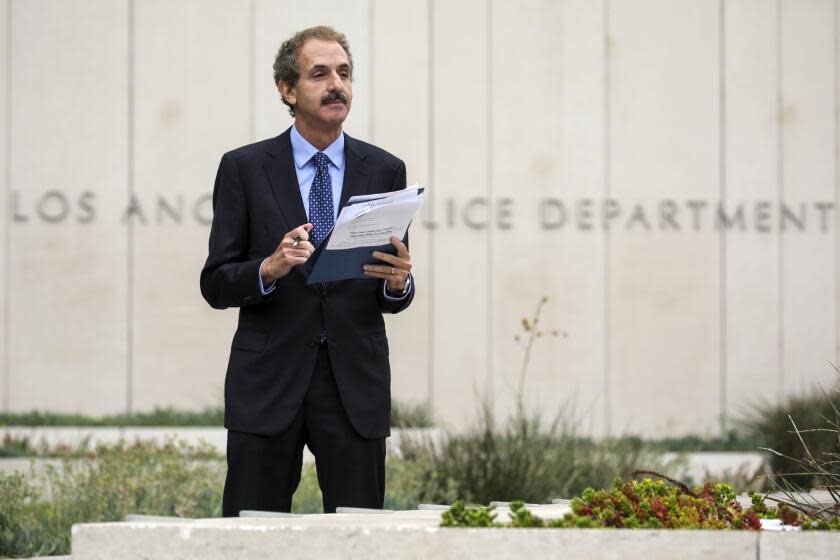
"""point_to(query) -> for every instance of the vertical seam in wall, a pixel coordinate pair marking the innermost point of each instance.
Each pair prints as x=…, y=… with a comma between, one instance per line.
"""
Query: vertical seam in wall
x=7, y=374
x=129, y=391
x=372, y=69
x=430, y=92
x=490, y=386
x=724, y=405
x=607, y=235
x=252, y=70
x=780, y=274
x=836, y=186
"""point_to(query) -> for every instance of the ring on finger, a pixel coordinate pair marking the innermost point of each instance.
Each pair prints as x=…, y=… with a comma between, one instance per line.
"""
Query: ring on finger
x=393, y=269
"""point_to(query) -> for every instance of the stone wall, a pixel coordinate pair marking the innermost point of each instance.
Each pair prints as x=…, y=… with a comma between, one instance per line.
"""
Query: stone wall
x=665, y=171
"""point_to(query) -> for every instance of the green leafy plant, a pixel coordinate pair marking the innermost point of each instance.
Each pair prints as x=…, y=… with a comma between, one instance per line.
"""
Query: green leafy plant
x=644, y=504
x=460, y=515
x=653, y=504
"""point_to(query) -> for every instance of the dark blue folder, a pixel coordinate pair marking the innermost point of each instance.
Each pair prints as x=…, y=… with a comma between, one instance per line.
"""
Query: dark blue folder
x=343, y=264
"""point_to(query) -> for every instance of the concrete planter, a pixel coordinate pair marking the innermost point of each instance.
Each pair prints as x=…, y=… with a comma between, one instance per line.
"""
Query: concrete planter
x=416, y=535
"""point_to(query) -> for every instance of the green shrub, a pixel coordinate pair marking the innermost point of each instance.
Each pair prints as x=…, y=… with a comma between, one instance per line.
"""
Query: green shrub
x=403, y=415
x=38, y=509
x=210, y=416
x=775, y=426
x=524, y=460
x=733, y=441
x=408, y=415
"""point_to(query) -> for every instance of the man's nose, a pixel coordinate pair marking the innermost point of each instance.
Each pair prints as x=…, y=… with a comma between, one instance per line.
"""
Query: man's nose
x=335, y=82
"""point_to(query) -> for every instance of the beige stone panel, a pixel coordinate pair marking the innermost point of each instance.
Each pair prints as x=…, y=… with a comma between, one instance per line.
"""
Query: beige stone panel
x=460, y=281
x=664, y=293
x=67, y=339
x=548, y=144
x=192, y=104
x=808, y=152
x=5, y=70
x=399, y=117
x=277, y=21
x=751, y=257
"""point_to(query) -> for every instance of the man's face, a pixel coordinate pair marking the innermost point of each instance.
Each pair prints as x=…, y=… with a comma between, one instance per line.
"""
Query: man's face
x=323, y=93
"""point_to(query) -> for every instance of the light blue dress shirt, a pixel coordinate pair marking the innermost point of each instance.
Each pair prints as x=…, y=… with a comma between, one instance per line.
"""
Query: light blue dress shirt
x=302, y=153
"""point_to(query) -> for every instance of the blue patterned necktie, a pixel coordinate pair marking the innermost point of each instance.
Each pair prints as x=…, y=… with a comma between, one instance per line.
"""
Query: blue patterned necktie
x=321, y=200
x=321, y=206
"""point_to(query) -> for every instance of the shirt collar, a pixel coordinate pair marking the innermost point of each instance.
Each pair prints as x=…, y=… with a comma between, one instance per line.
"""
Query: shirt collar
x=302, y=150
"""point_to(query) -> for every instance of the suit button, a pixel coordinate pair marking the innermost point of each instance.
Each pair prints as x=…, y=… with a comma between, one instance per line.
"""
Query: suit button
x=312, y=344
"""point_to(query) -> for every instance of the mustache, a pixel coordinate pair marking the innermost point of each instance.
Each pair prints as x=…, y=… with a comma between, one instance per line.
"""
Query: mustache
x=334, y=96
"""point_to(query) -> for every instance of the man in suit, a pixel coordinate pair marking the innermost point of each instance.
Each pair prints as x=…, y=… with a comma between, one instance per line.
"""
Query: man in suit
x=308, y=364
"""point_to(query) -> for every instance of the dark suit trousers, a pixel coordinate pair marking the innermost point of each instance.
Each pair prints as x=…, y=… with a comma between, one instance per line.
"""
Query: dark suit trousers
x=264, y=471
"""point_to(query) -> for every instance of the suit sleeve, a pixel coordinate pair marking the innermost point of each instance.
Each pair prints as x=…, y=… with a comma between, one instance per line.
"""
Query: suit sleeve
x=395, y=306
x=229, y=277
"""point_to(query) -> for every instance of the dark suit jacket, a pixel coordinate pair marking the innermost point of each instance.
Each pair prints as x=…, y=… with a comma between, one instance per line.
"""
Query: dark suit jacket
x=256, y=201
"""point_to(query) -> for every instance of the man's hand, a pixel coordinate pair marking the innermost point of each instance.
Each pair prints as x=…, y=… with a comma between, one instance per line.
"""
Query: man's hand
x=395, y=273
x=288, y=253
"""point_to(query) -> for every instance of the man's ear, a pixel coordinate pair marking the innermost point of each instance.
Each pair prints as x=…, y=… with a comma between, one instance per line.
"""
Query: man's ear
x=287, y=92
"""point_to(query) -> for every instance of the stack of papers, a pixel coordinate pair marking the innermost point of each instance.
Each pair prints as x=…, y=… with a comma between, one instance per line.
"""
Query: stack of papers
x=365, y=224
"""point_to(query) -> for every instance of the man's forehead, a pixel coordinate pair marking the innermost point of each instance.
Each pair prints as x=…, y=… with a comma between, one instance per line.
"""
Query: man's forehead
x=320, y=52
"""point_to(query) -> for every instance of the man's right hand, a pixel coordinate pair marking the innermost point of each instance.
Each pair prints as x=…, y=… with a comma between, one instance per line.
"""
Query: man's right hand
x=286, y=255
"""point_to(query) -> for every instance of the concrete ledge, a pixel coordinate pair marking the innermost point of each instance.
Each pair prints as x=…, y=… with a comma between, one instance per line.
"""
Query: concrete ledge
x=804, y=544
x=74, y=436
x=416, y=534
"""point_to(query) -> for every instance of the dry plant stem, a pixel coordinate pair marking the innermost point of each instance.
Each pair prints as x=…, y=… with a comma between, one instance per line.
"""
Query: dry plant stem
x=532, y=337
x=681, y=485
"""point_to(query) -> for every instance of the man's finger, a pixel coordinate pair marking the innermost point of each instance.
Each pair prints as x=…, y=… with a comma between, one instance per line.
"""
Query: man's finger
x=301, y=232
x=396, y=261
x=391, y=271
x=297, y=253
x=402, y=250
x=289, y=242
x=380, y=275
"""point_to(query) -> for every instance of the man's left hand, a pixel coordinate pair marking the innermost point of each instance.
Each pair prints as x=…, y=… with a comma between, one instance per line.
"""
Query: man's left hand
x=395, y=273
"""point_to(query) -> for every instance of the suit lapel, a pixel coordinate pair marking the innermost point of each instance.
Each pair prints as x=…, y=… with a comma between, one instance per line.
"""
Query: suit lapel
x=282, y=178
x=280, y=169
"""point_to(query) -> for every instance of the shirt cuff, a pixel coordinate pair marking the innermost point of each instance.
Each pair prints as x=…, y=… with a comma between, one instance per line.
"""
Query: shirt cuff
x=265, y=290
x=397, y=297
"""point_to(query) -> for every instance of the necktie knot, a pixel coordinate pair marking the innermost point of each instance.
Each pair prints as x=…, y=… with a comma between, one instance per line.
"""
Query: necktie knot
x=322, y=162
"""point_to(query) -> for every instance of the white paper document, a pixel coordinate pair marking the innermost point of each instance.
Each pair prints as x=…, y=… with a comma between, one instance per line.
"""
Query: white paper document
x=371, y=220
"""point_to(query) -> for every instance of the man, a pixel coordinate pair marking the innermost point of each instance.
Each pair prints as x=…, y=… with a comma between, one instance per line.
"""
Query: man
x=308, y=364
